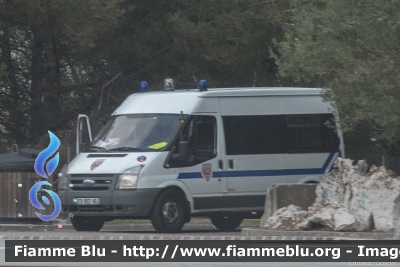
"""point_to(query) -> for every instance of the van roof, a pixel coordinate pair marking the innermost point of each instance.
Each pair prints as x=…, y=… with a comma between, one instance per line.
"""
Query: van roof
x=258, y=91
x=183, y=100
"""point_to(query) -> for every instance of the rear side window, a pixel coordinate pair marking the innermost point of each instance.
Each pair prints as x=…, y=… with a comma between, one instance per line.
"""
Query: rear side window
x=309, y=133
x=271, y=134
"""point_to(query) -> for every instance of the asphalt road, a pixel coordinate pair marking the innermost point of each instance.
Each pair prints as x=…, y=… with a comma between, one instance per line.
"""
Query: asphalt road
x=116, y=230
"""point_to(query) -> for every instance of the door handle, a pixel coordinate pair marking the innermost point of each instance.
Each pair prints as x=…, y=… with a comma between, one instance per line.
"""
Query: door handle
x=220, y=164
x=230, y=163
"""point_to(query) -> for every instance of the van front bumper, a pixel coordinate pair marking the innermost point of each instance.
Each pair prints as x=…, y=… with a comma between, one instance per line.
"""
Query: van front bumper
x=119, y=204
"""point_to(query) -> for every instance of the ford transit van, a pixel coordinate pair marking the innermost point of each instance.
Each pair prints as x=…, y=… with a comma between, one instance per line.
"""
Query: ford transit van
x=170, y=155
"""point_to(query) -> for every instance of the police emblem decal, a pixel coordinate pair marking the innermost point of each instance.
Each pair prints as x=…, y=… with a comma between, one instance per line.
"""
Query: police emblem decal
x=141, y=159
x=96, y=164
x=206, y=171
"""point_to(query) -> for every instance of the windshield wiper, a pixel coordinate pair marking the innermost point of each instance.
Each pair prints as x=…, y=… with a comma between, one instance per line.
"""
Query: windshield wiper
x=126, y=148
x=99, y=148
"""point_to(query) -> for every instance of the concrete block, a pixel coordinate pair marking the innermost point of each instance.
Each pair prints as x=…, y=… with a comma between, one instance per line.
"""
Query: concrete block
x=283, y=195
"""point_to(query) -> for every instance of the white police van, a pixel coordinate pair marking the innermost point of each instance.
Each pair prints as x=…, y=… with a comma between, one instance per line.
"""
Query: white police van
x=174, y=154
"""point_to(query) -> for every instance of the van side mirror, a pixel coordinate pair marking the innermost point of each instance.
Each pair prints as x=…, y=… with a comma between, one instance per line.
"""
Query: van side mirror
x=183, y=149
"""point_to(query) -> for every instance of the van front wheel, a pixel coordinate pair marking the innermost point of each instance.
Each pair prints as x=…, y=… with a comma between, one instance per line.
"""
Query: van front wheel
x=226, y=222
x=168, y=215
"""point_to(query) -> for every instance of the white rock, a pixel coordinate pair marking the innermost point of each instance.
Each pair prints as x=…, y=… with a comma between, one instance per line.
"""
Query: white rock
x=344, y=221
x=348, y=199
x=329, y=217
x=380, y=195
x=286, y=218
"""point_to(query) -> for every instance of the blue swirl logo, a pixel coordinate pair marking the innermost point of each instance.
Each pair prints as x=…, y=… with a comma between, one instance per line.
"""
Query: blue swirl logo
x=51, y=165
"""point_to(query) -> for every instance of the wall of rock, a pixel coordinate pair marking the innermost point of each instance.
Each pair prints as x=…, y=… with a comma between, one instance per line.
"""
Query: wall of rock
x=350, y=198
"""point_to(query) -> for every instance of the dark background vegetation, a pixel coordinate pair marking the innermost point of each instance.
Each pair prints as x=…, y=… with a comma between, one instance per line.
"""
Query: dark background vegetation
x=62, y=58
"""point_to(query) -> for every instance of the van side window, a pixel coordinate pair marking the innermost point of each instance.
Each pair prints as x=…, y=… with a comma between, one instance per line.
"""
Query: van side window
x=273, y=134
x=308, y=133
x=245, y=135
x=201, y=134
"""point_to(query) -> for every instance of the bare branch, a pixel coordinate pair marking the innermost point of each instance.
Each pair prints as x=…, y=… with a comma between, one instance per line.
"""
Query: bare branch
x=102, y=91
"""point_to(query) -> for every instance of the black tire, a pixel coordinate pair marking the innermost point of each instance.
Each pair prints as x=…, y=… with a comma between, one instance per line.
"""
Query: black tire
x=227, y=222
x=87, y=224
x=169, y=213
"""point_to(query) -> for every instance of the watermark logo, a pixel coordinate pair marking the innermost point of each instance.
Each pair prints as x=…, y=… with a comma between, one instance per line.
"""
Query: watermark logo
x=51, y=165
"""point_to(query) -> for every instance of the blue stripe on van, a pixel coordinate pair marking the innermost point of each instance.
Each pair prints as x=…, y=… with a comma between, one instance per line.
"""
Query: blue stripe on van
x=255, y=173
x=327, y=161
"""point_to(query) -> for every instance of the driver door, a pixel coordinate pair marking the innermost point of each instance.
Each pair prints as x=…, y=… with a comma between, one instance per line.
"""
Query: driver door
x=202, y=174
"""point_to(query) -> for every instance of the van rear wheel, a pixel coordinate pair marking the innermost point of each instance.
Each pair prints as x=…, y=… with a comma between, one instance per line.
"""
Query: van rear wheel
x=87, y=224
x=168, y=215
x=227, y=222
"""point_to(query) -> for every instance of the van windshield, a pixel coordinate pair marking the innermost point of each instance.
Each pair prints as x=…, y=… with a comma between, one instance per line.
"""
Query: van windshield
x=137, y=132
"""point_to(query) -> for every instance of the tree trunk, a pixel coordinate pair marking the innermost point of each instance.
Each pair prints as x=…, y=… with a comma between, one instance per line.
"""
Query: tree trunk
x=36, y=93
x=15, y=107
x=52, y=84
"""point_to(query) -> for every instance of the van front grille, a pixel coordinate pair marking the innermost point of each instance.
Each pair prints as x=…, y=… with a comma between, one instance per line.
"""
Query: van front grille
x=86, y=176
x=87, y=188
x=102, y=182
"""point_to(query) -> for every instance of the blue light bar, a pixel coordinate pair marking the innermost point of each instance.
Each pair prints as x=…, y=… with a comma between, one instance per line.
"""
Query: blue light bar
x=144, y=87
x=203, y=85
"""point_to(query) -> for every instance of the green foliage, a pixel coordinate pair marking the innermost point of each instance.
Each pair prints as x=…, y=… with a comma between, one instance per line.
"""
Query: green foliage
x=221, y=41
x=350, y=47
x=51, y=67
x=61, y=58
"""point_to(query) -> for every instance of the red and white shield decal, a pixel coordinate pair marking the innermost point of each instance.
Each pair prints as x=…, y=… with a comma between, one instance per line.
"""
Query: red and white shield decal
x=96, y=164
x=206, y=171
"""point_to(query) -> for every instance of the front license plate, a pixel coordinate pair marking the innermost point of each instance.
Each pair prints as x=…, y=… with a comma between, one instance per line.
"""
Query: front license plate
x=87, y=201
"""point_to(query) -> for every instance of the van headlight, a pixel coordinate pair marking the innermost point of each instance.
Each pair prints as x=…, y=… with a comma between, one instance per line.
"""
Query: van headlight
x=128, y=179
